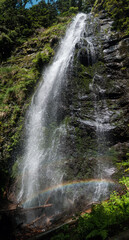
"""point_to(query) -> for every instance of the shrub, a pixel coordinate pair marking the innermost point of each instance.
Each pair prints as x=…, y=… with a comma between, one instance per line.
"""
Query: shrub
x=43, y=58
x=73, y=9
x=5, y=45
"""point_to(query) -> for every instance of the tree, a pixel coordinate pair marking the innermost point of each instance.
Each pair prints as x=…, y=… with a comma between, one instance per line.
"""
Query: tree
x=118, y=11
x=79, y=4
x=22, y=3
x=63, y=5
x=73, y=3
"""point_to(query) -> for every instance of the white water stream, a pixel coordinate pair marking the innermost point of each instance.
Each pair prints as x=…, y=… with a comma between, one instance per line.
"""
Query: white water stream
x=41, y=167
x=42, y=157
x=101, y=122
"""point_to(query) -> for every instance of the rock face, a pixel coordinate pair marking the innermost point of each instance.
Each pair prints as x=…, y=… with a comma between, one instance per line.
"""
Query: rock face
x=97, y=98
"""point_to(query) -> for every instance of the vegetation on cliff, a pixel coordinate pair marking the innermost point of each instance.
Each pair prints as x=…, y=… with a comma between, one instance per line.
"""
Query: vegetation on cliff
x=117, y=10
x=28, y=38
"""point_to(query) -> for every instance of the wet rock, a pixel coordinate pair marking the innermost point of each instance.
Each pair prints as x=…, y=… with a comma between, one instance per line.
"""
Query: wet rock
x=116, y=92
x=77, y=45
x=103, y=15
x=83, y=56
x=54, y=41
x=87, y=75
x=107, y=94
x=98, y=79
x=121, y=149
x=111, y=49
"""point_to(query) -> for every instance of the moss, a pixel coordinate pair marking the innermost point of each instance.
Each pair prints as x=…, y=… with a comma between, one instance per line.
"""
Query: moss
x=66, y=121
x=43, y=57
x=83, y=79
x=14, y=170
x=117, y=10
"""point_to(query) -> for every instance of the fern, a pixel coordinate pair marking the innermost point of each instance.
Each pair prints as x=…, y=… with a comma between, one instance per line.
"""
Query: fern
x=96, y=233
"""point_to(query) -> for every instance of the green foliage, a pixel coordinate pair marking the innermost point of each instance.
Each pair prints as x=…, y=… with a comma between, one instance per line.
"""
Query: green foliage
x=14, y=91
x=87, y=5
x=64, y=235
x=125, y=181
x=71, y=12
x=18, y=23
x=64, y=6
x=43, y=58
x=118, y=10
x=105, y=220
x=124, y=165
x=73, y=9
x=61, y=236
x=15, y=169
x=5, y=45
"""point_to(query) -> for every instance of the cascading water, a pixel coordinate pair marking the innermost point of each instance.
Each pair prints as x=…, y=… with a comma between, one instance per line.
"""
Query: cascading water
x=102, y=124
x=42, y=168
x=101, y=117
x=44, y=130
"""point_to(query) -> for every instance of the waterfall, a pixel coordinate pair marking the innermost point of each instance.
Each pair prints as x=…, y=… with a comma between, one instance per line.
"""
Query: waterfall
x=102, y=117
x=45, y=131
x=52, y=170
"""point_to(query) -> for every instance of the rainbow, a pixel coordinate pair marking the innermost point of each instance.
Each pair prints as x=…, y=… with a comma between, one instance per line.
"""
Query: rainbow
x=70, y=184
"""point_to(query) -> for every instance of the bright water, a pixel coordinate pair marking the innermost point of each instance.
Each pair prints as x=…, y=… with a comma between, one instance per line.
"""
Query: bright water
x=101, y=118
x=44, y=130
x=45, y=134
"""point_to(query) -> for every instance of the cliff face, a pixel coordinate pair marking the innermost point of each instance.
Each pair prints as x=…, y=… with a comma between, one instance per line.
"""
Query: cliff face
x=98, y=100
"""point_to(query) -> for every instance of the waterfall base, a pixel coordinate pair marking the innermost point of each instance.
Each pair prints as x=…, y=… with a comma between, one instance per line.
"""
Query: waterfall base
x=39, y=222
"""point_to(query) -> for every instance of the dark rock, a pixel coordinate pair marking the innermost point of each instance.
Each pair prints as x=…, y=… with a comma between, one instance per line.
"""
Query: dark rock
x=111, y=49
x=83, y=56
x=98, y=79
x=114, y=65
x=121, y=149
x=7, y=226
x=115, y=92
x=87, y=75
x=106, y=99
x=54, y=41
x=78, y=46
x=121, y=236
